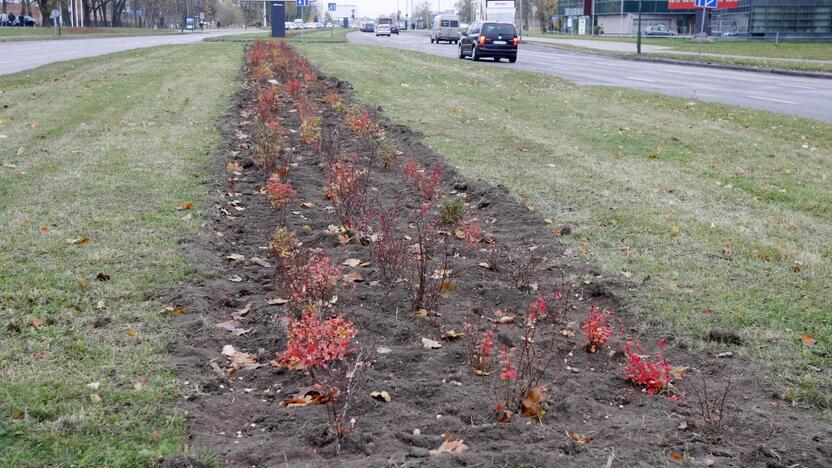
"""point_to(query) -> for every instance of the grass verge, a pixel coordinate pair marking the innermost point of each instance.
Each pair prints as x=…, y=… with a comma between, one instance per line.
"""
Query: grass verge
x=105, y=156
x=11, y=34
x=333, y=35
x=718, y=217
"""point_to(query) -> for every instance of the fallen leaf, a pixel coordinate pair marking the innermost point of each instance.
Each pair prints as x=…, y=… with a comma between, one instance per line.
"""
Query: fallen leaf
x=353, y=277
x=531, y=403
x=41, y=356
x=381, y=396
x=132, y=332
x=82, y=282
x=175, y=309
x=307, y=205
x=305, y=398
x=277, y=301
x=484, y=265
x=676, y=456
x=79, y=241
x=234, y=167
x=431, y=344
x=140, y=384
x=580, y=439
x=101, y=305
x=506, y=319
x=351, y=262
x=450, y=445
x=344, y=238
x=808, y=340
x=567, y=333
x=185, y=205
x=236, y=257
x=233, y=326
x=678, y=373
x=675, y=231
x=95, y=398
x=17, y=414
x=451, y=335
x=707, y=461
x=94, y=385
x=482, y=373
x=44, y=229
x=235, y=278
x=36, y=322
x=261, y=262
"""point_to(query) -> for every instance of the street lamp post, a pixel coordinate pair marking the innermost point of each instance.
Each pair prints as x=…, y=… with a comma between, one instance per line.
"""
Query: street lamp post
x=638, y=41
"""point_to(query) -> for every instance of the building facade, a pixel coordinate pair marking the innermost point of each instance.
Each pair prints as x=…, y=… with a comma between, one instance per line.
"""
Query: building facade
x=743, y=18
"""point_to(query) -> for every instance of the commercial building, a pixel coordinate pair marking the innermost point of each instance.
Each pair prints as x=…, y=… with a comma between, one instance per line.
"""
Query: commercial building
x=744, y=18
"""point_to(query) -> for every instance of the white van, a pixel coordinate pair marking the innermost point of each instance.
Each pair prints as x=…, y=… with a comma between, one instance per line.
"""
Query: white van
x=445, y=28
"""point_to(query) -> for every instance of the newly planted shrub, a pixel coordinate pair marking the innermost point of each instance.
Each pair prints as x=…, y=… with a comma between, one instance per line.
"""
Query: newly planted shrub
x=654, y=376
x=595, y=329
x=310, y=278
x=389, y=249
x=346, y=188
x=280, y=193
x=321, y=347
x=283, y=243
x=452, y=210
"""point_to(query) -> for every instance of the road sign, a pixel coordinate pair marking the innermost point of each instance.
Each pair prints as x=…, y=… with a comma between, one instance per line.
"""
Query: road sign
x=704, y=3
x=303, y=3
x=332, y=6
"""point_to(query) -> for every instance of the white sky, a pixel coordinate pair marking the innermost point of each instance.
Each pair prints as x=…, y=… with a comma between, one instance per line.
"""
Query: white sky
x=373, y=8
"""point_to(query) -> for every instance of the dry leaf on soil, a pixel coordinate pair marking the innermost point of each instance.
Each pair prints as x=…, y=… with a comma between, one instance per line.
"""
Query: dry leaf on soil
x=531, y=404
x=185, y=205
x=580, y=439
x=380, y=396
x=808, y=340
x=353, y=277
x=450, y=445
x=431, y=344
x=352, y=262
x=236, y=257
x=277, y=301
x=79, y=241
x=261, y=262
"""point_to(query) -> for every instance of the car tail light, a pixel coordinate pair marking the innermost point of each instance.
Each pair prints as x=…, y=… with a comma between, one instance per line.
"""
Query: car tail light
x=482, y=40
x=515, y=41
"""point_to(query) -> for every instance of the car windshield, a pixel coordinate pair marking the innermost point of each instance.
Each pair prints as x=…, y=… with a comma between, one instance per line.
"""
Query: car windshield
x=498, y=28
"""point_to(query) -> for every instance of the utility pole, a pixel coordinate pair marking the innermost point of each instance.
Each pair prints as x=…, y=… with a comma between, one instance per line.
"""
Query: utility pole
x=638, y=41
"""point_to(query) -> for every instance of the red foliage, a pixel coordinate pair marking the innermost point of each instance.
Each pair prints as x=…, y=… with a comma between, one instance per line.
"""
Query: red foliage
x=471, y=232
x=361, y=122
x=309, y=278
x=317, y=343
x=267, y=104
x=347, y=187
x=427, y=182
x=483, y=354
x=507, y=369
x=595, y=328
x=280, y=193
x=653, y=375
x=293, y=87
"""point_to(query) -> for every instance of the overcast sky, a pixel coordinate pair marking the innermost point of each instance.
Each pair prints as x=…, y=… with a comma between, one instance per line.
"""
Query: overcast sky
x=373, y=8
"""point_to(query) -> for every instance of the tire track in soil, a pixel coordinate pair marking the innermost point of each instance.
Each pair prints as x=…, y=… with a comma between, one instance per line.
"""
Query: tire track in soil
x=239, y=418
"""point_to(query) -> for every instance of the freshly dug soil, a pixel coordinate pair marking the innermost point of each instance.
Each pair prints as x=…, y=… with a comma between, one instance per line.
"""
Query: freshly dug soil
x=239, y=416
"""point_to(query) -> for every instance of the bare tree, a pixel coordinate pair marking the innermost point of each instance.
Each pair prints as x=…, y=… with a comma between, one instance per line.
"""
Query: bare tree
x=465, y=10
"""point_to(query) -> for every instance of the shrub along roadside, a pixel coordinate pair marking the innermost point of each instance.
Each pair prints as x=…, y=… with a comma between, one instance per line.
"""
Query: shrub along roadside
x=111, y=160
x=719, y=215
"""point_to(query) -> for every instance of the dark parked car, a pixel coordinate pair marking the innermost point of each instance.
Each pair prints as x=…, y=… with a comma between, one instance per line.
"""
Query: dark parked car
x=27, y=21
x=658, y=30
x=368, y=27
x=394, y=29
x=489, y=39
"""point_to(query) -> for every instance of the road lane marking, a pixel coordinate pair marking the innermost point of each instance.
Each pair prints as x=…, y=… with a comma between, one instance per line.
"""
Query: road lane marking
x=639, y=79
x=771, y=99
x=798, y=86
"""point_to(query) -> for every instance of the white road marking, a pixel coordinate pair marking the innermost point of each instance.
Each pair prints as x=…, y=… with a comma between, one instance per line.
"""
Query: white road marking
x=639, y=79
x=771, y=99
x=798, y=86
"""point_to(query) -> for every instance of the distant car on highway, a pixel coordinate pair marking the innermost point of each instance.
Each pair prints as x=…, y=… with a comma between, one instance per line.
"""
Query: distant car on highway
x=394, y=29
x=368, y=27
x=489, y=39
x=384, y=26
x=445, y=28
x=658, y=30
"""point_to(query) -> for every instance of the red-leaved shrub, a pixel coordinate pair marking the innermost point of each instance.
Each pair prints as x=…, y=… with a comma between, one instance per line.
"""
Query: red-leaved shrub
x=280, y=193
x=310, y=278
x=595, y=328
x=654, y=376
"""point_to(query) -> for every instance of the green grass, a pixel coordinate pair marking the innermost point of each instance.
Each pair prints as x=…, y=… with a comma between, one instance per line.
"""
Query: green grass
x=749, y=62
x=74, y=33
x=327, y=36
x=685, y=205
x=106, y=155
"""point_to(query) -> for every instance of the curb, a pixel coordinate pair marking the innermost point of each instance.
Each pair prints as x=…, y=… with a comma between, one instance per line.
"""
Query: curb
x=690, y=63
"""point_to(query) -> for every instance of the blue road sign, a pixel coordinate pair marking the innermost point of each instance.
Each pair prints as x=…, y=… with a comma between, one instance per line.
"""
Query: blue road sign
x=303, y=2
x=331, y=6
x=705, y=3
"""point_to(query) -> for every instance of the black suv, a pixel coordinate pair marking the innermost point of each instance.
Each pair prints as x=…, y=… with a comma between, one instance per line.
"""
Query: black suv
x=489, y=39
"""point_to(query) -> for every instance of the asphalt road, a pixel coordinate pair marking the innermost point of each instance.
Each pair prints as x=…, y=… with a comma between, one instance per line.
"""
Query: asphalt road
x=805, y=97
x=23, y=55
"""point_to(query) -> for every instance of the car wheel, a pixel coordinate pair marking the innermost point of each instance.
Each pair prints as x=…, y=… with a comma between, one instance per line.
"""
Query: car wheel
x=474, y=54
x=512, y=59
x=431, y=40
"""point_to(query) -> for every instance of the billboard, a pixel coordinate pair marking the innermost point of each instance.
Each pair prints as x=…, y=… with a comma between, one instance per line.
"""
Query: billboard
x=688, y=5
x=500, y=10
x=343, y=11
